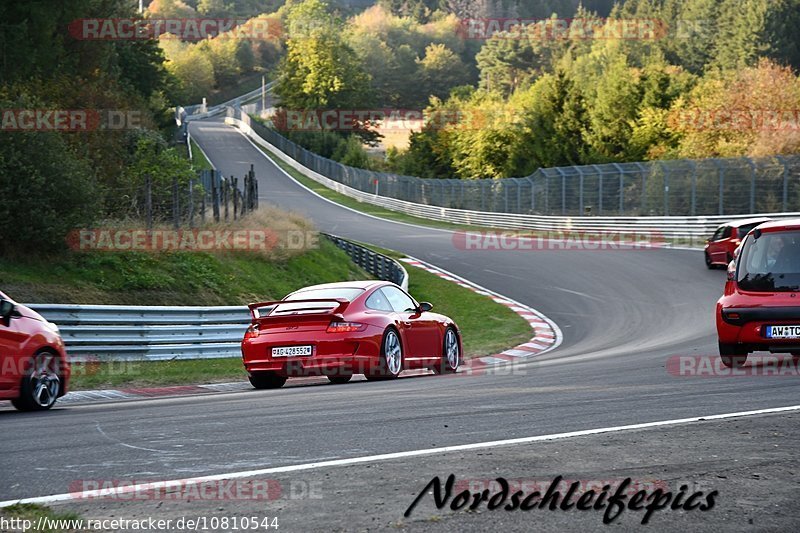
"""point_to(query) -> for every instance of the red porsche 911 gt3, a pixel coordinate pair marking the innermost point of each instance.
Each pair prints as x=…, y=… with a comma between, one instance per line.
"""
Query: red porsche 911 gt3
x=339, y=329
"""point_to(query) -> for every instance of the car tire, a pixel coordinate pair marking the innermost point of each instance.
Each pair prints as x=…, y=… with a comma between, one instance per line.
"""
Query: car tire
x=340, y=379
x=709, y=264
x=391, y=359
x=266, y=380
x=451, y=353
x=40, y=389
x=733, y=355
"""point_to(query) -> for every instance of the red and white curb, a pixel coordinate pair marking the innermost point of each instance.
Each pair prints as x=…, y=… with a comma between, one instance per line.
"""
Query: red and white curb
x=546, y=335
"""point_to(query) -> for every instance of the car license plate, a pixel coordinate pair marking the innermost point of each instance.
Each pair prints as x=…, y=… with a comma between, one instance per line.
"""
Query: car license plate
x=291, y=351
x=783, y=332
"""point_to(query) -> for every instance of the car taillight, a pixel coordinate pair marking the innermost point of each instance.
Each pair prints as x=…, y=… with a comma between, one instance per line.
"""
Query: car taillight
x=252, y=332
x=344, y=327
x=732, y=270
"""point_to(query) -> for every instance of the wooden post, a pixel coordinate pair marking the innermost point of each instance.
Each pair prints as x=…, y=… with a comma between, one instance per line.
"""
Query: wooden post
x=255, y=186
x=235, y=196
x=226, y=188
x=215, y=198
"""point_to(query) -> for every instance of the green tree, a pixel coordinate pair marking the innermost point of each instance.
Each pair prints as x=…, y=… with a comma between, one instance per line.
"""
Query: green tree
x=441, y=70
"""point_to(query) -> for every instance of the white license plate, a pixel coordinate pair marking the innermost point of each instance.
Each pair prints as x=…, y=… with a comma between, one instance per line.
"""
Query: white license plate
x=291, y=351
x=783, y=332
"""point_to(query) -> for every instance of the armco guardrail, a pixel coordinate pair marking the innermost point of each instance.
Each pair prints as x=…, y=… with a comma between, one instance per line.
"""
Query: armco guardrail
x=124, y=333
x=379, y=265
x=694, y=229
x=118, y=332
x=196, y=112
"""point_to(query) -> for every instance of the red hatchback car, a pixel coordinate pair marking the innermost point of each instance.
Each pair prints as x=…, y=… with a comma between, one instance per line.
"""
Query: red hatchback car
x=340, y=329
x=760, y=309
x=35, y=369
x=720, y=248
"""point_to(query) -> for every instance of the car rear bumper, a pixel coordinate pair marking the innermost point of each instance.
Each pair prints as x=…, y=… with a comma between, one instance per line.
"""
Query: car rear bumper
x=747, y=325
x=331, y=352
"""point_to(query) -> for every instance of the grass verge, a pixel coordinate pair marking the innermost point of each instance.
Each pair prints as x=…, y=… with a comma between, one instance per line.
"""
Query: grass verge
x=28, y=515
x=199, y=160
x=486, y=327
x=170, y=278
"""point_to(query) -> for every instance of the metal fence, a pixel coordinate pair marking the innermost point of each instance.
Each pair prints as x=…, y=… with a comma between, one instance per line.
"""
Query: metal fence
x=122, y=332
x=660, y=188
x=226, y=198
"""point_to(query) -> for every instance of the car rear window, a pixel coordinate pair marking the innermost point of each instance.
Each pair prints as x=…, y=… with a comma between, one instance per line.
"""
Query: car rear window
x=770, y=263
x=348, y=293
x=744, y=230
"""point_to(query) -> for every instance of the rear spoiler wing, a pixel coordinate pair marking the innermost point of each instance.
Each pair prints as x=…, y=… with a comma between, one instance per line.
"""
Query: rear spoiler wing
x=342, y=305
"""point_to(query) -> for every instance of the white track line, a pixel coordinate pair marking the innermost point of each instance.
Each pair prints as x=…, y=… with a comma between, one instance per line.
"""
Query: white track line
x=158, y=485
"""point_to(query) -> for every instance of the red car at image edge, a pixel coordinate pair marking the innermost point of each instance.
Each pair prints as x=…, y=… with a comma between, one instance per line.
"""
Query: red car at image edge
x=720, y=247
x=760, y=308
x=34, y=369
x=339, y=329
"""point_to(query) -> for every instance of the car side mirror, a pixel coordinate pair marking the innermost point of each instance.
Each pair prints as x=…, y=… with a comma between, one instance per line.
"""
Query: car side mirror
x=732, y=270
x=424, y=307
x=7, y=308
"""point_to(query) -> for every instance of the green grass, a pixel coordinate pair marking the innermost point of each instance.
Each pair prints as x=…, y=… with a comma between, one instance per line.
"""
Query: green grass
x=131, y=374
x=176, y=278
x=32, y=512
x=486, y=327
x=199, y=160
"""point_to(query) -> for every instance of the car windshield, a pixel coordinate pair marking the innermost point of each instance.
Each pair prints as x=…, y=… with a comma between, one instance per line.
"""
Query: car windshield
x=771, y=263
x=348, y=293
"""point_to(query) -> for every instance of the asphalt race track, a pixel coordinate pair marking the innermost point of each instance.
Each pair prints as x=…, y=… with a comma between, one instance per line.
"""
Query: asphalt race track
x=622, y=313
